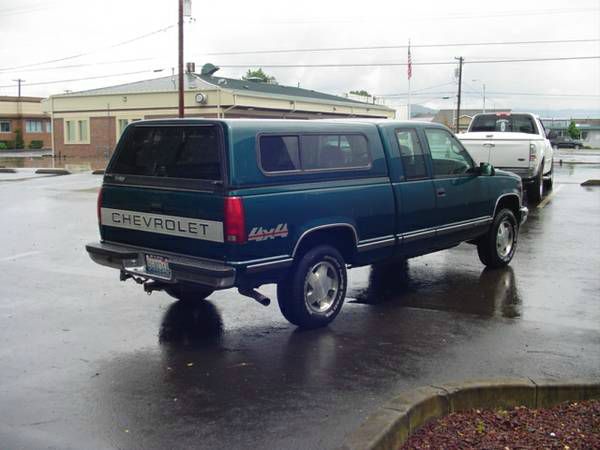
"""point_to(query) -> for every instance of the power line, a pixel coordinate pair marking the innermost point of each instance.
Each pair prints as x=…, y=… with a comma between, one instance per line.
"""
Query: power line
x=79, y=55
x=41, y=83
x=395, y=64
x=388, y=47
x=476, y=93
x=75, y=66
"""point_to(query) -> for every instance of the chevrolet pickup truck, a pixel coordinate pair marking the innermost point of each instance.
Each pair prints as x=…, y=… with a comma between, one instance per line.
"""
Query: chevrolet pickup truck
x=193, y=205
x=516, y=142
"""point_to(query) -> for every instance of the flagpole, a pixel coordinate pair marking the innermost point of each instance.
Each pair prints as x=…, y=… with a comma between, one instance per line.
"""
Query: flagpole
x=409, y=73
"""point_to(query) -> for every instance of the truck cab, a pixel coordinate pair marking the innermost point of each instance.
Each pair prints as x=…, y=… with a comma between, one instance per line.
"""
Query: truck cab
x=190, y=206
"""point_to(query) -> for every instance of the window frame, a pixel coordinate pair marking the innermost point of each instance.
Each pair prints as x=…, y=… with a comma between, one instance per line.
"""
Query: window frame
x=9, y=122
x=470, y=173
x=302, y=171
x=428, y=171
x=29, y=122
x=196, y=185
x=76, y=121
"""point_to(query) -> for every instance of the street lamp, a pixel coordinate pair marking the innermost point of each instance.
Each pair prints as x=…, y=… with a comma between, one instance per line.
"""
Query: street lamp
x=483, y=91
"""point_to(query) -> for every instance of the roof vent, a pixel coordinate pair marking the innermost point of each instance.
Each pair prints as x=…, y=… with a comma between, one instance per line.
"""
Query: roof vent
x=208, y=69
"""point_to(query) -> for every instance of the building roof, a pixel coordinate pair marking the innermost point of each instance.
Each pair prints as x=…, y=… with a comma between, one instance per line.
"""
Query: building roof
x=195, y=81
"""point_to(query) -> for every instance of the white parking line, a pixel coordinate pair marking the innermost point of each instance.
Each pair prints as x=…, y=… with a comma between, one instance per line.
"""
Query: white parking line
x=549, y=197
x=19, y=255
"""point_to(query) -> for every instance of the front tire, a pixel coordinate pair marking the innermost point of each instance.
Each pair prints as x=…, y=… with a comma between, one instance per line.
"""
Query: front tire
x=497, y=248
x=312, y=295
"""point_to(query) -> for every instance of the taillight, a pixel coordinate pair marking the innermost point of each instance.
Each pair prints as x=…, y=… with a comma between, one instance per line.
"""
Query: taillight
x=234, y=223
x=532, y=155
x=99, y=205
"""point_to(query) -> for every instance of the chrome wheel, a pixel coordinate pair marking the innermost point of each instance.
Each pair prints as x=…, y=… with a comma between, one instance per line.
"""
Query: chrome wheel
x=505, y=238
x=321, y=287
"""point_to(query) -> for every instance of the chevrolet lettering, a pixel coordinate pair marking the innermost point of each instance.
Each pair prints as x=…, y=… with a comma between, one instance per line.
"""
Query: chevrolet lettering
x=189, y=206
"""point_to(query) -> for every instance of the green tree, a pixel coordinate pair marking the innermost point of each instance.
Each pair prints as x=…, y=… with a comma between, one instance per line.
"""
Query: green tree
x=19, y=143
x=362, y=93
x=573, y=131
x=260, y=74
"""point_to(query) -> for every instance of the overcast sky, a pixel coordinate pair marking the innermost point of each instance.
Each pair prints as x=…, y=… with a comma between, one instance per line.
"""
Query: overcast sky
x=34, y=31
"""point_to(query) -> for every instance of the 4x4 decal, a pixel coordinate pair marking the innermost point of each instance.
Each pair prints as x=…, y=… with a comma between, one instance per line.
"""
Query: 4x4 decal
x=262, y=234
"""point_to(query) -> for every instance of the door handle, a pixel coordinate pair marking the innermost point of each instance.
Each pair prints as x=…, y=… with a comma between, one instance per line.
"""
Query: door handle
x=441, y=192
x=489, y=144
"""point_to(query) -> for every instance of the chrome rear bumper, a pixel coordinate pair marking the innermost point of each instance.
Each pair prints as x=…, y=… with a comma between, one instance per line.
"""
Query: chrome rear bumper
x=131, y=260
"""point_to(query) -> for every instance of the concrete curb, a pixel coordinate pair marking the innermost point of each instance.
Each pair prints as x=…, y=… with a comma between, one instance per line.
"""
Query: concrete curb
x=53, y=172
x=98, y=172
x=390, y=426
x=5, y=170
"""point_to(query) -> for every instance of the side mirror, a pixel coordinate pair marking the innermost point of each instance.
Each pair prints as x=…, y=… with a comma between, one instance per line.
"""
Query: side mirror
x=486, y=169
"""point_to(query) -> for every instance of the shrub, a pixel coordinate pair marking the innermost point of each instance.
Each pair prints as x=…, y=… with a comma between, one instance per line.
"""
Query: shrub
x=19, y=143
x=3, y=146
x=8, y=144
x=36, y=144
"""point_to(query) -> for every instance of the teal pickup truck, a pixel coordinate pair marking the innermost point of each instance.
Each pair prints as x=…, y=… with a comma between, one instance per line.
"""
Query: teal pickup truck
x=189, y=206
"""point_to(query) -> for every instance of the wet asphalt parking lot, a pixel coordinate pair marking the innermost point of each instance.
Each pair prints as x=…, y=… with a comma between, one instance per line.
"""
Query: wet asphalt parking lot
x=89, y=362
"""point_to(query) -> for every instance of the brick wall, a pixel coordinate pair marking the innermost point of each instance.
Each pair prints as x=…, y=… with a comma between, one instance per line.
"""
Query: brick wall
x=102, y=139
x=19, y=124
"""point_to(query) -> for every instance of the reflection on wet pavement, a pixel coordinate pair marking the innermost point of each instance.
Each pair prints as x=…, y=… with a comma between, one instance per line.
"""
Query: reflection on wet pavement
x=493, y=293
x=191, y=323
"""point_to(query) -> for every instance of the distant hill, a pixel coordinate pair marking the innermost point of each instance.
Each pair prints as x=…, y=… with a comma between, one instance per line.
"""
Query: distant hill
x=566, y=113
x=421, y=111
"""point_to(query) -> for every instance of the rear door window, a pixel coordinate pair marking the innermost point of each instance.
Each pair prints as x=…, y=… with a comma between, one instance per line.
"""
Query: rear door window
x=411, y=152
x=504, y=123
x=186, y=152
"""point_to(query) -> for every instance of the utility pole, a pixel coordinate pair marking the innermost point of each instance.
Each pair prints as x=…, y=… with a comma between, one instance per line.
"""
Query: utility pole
x=484, y=97
x=181, y=86
x=460, y=64
x=19, y=81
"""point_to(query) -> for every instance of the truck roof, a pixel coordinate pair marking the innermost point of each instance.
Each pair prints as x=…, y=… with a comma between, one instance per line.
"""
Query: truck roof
x=297, y=124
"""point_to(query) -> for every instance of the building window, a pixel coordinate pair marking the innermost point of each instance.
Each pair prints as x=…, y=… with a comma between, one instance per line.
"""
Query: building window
x=4, y=126
x=122, y=124
x=77, y=131
x=49, y=127
x=33, y=126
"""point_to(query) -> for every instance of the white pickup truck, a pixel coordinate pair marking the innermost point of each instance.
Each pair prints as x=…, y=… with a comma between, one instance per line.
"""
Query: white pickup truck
x=516, y=142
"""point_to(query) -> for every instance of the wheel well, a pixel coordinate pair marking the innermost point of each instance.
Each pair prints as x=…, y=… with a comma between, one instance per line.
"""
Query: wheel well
x=510, y=202
x=340, y=237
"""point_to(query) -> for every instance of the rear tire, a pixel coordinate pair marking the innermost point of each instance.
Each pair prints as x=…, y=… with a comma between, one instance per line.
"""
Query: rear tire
x=188, y=292
x=313, y=293
x=535, y=191
x=549, y=183
x=497, y=248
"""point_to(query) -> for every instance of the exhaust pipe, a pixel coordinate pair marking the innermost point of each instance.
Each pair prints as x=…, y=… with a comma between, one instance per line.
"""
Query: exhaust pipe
x=255, y=295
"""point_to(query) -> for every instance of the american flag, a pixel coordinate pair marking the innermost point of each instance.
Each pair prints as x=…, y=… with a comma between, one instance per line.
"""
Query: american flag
x=409, y=68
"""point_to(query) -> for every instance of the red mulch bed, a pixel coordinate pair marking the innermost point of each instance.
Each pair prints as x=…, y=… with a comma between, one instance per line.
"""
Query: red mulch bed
x=568, y=426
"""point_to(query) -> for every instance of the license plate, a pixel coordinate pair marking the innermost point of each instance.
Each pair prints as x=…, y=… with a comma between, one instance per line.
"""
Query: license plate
x=158, y=265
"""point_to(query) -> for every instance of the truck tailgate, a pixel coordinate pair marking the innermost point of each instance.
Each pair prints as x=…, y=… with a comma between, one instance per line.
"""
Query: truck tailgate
x=499, y=149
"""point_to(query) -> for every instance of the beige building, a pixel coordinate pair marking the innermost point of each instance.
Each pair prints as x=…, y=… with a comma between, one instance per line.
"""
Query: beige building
x=448, y=117
x=89, y=123
x=24, y=115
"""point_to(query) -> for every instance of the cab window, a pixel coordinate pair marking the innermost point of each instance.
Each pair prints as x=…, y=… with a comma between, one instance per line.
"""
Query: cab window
x=449, y=158
x=411, y=153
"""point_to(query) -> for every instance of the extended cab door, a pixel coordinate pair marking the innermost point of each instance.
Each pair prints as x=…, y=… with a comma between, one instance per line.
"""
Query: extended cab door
x=462, y=197
x=414, y=192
